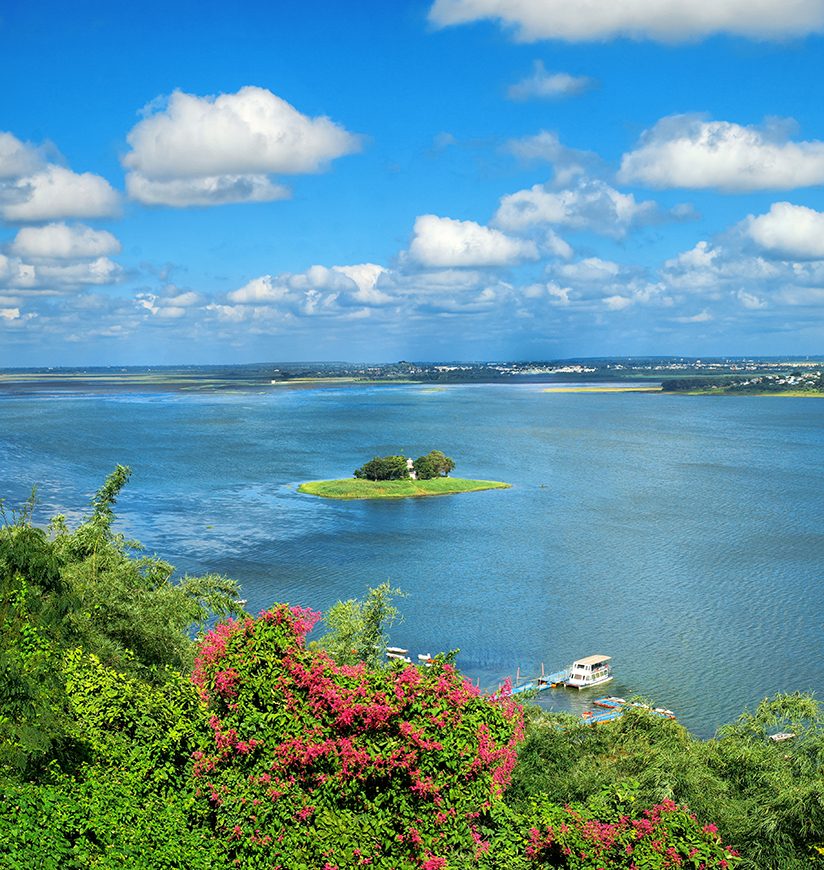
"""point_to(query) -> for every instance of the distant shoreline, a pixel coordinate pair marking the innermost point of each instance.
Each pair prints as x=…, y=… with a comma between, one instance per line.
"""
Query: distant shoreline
x=354, y=488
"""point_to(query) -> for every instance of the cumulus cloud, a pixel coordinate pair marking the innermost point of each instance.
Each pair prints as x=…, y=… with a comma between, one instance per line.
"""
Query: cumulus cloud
x=17, y=158
x=592, y=204
x=548, y=86
x=590, y=270
x=690, y=151
x=33, y=190
x=791, y=231
x=170, y=304
x=366, y=277
x=62, y=242
x=213, y=150
x=317, y=290
x=660, y=20
x=568, y=163
x=259, y=290
x=444, y=242
x=210, y=190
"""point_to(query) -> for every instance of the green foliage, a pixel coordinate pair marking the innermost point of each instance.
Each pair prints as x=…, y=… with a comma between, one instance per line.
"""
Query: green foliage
x=766, y=798
x=357, y=630
x=131, y=803
x=383, y=468
x=433, y=464
x=87, y=588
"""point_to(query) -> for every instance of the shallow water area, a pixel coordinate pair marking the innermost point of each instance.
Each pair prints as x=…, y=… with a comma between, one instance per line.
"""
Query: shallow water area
x=682, y=535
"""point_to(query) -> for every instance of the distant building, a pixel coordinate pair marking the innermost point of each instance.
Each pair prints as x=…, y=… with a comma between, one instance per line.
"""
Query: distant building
x=410, y=467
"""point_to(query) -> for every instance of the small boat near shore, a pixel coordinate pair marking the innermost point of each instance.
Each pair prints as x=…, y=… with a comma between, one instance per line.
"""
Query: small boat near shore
x=589, y=671
x=615, y=707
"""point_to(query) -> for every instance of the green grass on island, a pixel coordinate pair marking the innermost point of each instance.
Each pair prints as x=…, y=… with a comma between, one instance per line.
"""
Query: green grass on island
x=354, y=488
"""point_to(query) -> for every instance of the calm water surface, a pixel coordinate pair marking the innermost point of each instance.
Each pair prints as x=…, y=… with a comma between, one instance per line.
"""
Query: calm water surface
x=684, y=536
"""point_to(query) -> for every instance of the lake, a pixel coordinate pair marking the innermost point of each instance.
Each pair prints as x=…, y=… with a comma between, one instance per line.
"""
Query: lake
x=684, y=536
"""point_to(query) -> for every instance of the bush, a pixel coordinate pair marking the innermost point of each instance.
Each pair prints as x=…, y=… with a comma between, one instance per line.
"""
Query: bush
x=314, y=764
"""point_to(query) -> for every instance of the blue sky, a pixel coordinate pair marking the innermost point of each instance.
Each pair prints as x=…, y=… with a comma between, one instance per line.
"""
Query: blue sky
x=464, y=179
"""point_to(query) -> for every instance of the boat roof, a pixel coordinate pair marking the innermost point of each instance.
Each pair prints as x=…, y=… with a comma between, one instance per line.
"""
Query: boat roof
x=592, y=660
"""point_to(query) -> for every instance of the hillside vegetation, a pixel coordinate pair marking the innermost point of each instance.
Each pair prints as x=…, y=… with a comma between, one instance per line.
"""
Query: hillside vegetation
x=147, y=721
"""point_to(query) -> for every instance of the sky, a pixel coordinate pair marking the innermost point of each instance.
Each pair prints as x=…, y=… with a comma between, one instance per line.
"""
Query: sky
x=204, y=182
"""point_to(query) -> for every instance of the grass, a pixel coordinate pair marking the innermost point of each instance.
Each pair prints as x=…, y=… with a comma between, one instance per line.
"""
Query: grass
x=353, y=488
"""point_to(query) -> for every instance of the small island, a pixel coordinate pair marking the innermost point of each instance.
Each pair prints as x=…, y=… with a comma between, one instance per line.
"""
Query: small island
x=400, y=477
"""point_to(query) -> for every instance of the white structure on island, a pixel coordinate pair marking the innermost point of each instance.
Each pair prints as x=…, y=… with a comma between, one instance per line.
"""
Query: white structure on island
x=410, y=467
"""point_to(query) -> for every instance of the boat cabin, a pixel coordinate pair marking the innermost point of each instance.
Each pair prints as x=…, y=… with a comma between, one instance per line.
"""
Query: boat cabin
x=590, y=671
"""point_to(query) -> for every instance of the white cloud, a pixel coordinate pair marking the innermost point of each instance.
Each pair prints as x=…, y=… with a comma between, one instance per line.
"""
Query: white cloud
x=591, y=270
x=440, y=241
x=617, y=302
x=568, y=163
x=366, y=277
x=551, y=86
x=555, y=245
x=17, y=158
x=707, y=268
x=259, y=290
x=750, y=300
x=802, y=296
x=54, y=192
x=591, y=204
x=662, y=20
x=788, y=230
x=689, y=151
x=99, y=271
x=59, y=241
x=210, y=190
x=703, y=316
x=213, y=150
x=10, y=313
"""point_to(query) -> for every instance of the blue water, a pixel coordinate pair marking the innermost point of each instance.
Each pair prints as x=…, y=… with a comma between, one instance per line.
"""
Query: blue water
x=684, y=536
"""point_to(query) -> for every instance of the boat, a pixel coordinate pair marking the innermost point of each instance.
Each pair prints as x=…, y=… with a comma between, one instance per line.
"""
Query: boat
x=589, y=671
x=396, y=653
x=610, y=702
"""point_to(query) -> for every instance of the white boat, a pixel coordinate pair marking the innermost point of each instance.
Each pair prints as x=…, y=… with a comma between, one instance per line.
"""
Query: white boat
x=591, y=671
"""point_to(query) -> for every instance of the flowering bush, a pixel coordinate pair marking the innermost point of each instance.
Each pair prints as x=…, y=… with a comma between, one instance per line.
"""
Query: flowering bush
x=663, y=837
x=321, y=765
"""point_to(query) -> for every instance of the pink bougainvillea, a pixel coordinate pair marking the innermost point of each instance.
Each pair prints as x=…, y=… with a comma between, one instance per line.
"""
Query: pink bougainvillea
x=324, y=761
x=664, y=837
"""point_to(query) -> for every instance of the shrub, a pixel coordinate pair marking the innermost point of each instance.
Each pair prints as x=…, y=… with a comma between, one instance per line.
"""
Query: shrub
x=314, y=764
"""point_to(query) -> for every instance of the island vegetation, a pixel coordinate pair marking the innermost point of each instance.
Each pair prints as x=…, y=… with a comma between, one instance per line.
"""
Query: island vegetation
x=796, y=382
x=148, y=721
x=399, y=477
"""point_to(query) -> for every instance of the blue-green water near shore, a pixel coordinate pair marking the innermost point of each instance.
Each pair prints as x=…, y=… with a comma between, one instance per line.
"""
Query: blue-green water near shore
x=684, y=536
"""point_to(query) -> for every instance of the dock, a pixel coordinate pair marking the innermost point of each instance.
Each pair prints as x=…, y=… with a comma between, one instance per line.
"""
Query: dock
x=539, y=684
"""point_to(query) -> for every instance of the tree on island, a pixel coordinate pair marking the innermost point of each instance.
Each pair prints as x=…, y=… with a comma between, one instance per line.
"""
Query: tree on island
x=434, y=464
x=383, y=468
